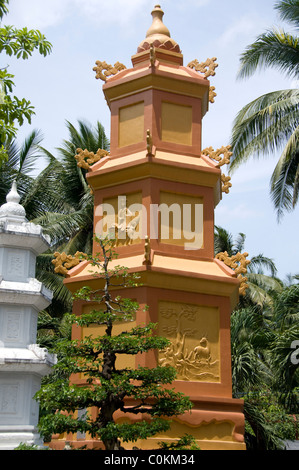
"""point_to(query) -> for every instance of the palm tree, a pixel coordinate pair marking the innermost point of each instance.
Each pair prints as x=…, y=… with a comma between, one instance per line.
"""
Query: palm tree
x=271, y=121
x=285, y=323
x=69, y=219
x=71, y=225
x=249, y=339
x=59, y=199
x=36, y=194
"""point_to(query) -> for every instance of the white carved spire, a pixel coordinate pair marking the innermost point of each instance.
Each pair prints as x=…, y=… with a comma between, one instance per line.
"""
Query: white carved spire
x=12, y=210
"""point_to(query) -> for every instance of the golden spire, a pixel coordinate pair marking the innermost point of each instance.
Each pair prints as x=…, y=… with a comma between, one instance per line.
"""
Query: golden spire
x=158, y=34
x=158, y=27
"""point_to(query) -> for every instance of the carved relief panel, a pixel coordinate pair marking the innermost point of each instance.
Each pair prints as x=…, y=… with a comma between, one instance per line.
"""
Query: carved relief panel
x=194, y=334
x=11, y=399
x=17, y=326
x=17, y=405
x=11, y=325
x=17, y=265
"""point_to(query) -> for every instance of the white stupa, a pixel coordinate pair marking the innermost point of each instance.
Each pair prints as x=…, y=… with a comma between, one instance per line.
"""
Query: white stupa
x=22, y=362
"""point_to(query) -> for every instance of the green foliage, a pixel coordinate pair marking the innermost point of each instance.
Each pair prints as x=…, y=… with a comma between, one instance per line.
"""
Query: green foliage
x=262, y=368
x=268, y=421
x=288, y=11
x=270, y=123
x=186, y=442
x=20, y=43
x=276, y=49
x=109, y=388
x=60, y=200
x=70, y=222
x=24, y=446
x=261, y=272
x=3, y=8
x=263, y=329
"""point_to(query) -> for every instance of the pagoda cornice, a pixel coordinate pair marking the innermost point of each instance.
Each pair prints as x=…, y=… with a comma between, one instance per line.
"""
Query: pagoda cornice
x=188, y=275
x=163, y=77
x=197, y=171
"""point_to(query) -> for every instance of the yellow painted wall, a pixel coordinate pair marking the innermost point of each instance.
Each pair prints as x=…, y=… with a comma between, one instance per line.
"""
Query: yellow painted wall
x=131, y=124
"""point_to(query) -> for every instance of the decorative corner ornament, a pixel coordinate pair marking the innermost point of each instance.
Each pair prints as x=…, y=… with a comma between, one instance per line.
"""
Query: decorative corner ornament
x=147, y=250
x=85, y=158
x=152, y=56
x=226, y=184
x=64, y=262
x=237, y=263
x=109, y=69
x=149, y=142
x=207, y=68
x=212, y=94
x=216, y=155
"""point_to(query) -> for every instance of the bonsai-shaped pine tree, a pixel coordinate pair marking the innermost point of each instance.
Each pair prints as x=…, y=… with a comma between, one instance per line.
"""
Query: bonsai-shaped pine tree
x=108, y=389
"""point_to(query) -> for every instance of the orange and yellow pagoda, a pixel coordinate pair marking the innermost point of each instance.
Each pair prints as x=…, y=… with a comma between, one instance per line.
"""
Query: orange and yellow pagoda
x=162, y=189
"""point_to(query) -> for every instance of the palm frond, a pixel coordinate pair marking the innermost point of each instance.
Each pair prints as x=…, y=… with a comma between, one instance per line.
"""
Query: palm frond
x=263, y=125
x=286, y=379
x=239, y=243
x=273, y=49
x=45, y=274
x=28, y=153
x=288, y=11
x=223, y=241
x=61, y=226
x=81, y=241
x=13, y=151
x=264, y=437
x=247, y=341
x=261, y=288
x=41, y=195
x=259, y=263
x=286, y=307
x=285, y=178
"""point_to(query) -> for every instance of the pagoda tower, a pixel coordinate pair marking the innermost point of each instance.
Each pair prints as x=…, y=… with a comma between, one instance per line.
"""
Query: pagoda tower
x=158, y=189
x=23, y=363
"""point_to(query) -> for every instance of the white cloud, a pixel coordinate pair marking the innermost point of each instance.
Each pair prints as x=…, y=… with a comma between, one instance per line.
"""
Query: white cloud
x=46, y=13
x=36, y=13
x=243, y=27
x=42, y=14
x=112, y=11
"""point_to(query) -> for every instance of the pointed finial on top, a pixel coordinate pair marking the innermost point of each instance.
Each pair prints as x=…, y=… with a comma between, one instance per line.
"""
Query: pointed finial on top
x=13, y=195
x=158, y=34
x=12, y=210
x=158, y=27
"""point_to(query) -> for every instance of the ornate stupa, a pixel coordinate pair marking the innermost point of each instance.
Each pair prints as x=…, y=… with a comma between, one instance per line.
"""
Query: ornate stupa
x=158, y=189
x=22, y=362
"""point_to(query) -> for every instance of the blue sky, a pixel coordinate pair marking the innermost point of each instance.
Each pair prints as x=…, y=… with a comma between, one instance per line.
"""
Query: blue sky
x=62, y=87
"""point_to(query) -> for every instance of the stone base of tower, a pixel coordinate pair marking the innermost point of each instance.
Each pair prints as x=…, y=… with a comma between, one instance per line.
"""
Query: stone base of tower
x=193, y=312
x=12, y=436
x=216, y=424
